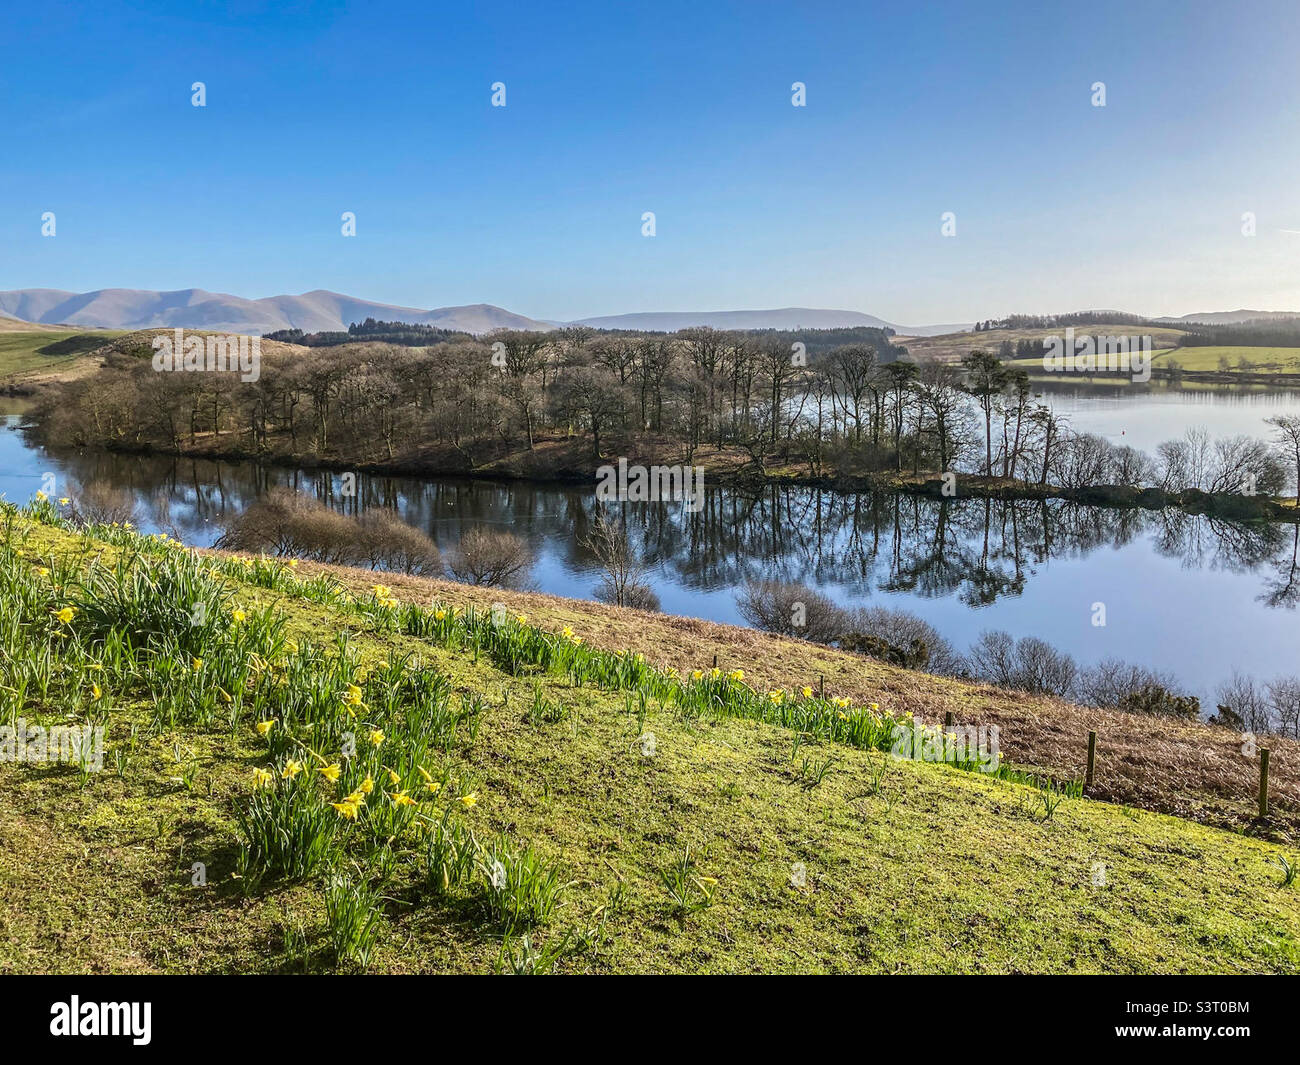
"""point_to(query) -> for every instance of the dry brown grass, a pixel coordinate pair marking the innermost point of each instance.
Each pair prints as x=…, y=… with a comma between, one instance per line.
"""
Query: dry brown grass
x=1188, y=769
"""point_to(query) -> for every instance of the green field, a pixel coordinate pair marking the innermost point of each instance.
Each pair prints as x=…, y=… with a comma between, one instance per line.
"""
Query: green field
x=1256, y=360
x=951, y=347
x=36, y=352
x=588, y=812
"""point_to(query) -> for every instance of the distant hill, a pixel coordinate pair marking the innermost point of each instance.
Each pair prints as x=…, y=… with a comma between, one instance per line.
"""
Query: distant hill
x=195, y=308
x=1227, y=317
x=782, y=318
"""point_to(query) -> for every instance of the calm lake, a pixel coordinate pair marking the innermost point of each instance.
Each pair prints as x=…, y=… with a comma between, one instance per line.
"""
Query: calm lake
x=1189, y=595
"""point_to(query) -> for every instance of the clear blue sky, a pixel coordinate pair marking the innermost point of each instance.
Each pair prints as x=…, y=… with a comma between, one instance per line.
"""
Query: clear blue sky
x=683, y=109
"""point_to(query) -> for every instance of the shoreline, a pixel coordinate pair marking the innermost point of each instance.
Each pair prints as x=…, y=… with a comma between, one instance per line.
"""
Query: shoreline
x=1224, y=505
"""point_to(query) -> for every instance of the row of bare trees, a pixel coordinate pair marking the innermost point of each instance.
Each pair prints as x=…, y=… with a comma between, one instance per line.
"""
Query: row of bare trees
x=850, y=409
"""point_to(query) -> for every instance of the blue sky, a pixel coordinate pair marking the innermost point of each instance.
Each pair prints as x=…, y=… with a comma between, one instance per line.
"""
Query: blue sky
x=683, y=109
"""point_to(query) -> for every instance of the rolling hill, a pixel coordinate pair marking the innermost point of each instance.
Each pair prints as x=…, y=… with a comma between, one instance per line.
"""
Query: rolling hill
x=322, y=311
x=782, y=318
x=196, y=308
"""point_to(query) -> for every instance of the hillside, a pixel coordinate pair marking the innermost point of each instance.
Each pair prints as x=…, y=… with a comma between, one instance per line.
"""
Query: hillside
x=196, y=308
x=782, y=318
x=953, y=346
x=32, y=355
x=521, y=798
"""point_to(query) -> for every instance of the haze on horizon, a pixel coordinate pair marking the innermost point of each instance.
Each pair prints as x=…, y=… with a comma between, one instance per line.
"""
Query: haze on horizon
x=680, y=109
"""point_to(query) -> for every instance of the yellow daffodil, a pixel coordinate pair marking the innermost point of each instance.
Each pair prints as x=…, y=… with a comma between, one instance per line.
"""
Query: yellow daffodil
x=330, y=772
x=292, y=563
x=468, y=801
x=566, y=631
x=237, y=615
x=291, y=769
x=367, y=785
x=393, y=778
x=347, y=809
x=696, y=674
x=401, y=799
x=376, y=737
x=42, y=571
x=737, y=674
x=875, y=707
x=95, y=693
x=381, y=590
x=429, y=783
x=438, y=615
x=806, y=692
x=64, y=501
x=196, y=664
x=261, y=778
x=263, y=727
x=42, y=496
x=66, y=614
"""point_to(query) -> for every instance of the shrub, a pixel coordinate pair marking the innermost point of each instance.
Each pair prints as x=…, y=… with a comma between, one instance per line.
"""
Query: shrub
x=1157, y=699
x=289, y=523
x=790, y=609
x=491, y=557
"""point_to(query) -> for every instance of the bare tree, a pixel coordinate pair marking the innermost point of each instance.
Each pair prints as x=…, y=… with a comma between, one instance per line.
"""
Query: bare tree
x=490, y=556
x=623, y=580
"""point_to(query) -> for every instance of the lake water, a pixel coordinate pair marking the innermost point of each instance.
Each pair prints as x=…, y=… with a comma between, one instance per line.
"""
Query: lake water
x=1188, y=595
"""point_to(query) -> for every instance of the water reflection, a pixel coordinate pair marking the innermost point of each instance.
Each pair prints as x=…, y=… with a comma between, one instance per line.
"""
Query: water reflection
x=978, y=551
x=1186, y=593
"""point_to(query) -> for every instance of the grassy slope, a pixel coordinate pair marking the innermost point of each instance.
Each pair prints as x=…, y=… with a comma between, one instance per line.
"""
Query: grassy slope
x=941, y=871
x=1186, y=768
x=40, y=353
x=951, y=347
x=1259, y=360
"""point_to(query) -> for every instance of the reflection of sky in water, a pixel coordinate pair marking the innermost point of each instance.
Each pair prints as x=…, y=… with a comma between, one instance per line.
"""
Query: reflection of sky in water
x=1184, y=601
x=1145, y=415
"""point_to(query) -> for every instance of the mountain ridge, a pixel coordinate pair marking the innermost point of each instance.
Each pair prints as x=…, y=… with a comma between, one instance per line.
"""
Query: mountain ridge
x=323, y=311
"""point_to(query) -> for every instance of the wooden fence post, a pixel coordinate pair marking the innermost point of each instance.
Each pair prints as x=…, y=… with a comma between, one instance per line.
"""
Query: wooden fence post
x=1092, y=758
x=821, y=687
x=1263, y=782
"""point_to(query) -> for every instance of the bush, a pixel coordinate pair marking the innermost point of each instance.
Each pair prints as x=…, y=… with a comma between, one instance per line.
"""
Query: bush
x=1157, y=699
x=907, y=634
x=1110, y=681
x=488, y=556
x=1028, y=664
x=289, y=524
x=790, y=609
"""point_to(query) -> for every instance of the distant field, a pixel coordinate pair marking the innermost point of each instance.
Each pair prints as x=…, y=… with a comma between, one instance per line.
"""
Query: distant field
x=1256, y=360
x=1260, y=360
x=34, y=352
x=952, y=346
